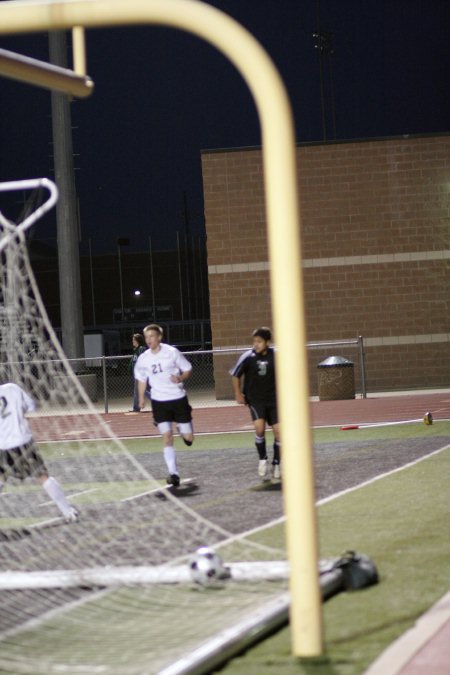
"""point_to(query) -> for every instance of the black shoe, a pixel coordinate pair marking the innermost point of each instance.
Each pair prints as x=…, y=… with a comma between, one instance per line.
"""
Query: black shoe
x=173, y=479
x=188, y=443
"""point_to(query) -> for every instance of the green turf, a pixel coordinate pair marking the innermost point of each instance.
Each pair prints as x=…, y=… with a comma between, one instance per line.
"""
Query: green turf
x=68, y=449
x=394, y=431
x=401, y=522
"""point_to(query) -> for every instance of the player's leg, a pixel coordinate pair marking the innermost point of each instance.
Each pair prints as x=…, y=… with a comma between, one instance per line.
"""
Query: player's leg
x=259, y=424
x=272, y=419
x=186, y=432
x=170, y=456
x=276, y=471
x=183, y=416
x=3, y=467
x=29, y=463
x=57, y=495
x=163, y=417
x=31, y=457
x=136, y=407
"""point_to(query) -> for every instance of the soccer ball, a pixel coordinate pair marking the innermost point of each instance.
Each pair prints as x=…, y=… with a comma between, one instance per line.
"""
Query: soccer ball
x=206, y=567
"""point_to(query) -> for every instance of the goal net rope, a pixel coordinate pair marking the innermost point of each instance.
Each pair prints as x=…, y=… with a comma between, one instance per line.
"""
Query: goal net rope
x=98, y=595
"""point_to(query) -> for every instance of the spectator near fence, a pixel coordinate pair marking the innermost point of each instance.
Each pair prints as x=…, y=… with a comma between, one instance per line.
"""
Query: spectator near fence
x=138, y=348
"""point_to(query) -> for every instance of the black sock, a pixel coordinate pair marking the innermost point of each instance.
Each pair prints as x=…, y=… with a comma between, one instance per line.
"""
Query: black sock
x=260, y=443
x=276, y=453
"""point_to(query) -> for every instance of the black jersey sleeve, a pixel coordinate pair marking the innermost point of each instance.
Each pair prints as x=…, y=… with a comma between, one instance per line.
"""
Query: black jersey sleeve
x=241, y=364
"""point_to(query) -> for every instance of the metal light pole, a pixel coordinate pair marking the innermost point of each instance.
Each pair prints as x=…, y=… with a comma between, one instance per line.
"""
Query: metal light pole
x=152, y=279
x=121, y=242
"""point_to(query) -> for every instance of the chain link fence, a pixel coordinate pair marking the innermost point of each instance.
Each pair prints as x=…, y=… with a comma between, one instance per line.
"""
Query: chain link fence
x=108, y=380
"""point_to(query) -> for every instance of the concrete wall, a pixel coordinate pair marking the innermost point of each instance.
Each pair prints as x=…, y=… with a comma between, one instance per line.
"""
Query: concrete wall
x=376, y=250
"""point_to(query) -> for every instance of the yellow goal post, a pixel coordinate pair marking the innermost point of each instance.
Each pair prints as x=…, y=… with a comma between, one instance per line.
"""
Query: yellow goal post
x=283, y=227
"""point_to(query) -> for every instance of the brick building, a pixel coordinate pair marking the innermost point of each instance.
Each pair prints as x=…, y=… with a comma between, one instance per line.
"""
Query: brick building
x=376, y=250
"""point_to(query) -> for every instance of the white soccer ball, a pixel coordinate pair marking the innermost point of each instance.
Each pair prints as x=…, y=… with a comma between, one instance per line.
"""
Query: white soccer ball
x=206, y=567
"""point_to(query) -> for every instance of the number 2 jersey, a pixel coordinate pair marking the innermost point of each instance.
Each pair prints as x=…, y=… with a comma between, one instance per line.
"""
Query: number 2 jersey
x=14, y=404
x=259, y=376
x=158, y=368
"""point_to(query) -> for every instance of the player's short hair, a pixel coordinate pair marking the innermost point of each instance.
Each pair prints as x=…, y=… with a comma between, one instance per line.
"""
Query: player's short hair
x=263, y=332
x=139, y=339
x=155, y=327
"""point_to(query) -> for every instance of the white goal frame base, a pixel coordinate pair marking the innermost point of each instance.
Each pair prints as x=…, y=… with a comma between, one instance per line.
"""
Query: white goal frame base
x=120, y=576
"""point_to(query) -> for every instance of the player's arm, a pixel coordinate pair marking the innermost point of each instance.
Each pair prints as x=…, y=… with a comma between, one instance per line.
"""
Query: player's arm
x=28, y=404
x=238, y=395
x=181, y=377
x=184, y=368
x=142, y=386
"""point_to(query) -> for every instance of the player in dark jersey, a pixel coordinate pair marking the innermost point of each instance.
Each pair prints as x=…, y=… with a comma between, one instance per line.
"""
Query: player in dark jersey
x=257, y=368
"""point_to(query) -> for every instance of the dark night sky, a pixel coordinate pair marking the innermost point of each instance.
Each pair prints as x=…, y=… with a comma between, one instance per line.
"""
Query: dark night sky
x=162, y=96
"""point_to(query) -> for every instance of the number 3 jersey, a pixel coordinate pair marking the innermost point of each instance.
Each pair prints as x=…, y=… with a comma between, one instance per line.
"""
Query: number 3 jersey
x=259, y=375
x=158, y=368
x=14, y=404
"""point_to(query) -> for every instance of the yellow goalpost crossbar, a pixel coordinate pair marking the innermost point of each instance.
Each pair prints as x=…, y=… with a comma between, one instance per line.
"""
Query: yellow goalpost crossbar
x=42, y=74
x=283, y=224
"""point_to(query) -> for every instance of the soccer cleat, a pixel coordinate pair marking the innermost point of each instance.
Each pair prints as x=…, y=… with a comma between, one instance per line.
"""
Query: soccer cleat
x=276, y=472
x=263, y=468
x=173, y=479
x=188, y=443
x=72, y=516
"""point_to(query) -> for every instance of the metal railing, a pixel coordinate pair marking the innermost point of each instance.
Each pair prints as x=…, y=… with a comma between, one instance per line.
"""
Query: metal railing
x=108, y=380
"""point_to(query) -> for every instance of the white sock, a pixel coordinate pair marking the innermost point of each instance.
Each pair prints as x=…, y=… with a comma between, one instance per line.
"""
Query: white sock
x=170, y=459
x=56, y=493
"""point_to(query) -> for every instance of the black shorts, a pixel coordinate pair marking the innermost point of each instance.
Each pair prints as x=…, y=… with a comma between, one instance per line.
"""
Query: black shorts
x=22, y=462
x=177, y=410
x=264, y=411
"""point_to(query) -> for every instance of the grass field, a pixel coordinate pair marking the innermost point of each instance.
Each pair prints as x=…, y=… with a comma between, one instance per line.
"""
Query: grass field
x=400, y=521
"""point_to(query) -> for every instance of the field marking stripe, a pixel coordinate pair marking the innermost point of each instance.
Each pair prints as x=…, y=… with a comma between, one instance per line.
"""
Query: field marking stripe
x=70, y=496
x=166, y=486
x=226, y=432
x=331, y=498
x=37, y=621
x=325, y=500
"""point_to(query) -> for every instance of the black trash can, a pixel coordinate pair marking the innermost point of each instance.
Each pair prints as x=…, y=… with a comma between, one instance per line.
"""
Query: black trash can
x=336, y=379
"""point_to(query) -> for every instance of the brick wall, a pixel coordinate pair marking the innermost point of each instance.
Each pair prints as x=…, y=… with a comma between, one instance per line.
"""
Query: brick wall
x=376, y=251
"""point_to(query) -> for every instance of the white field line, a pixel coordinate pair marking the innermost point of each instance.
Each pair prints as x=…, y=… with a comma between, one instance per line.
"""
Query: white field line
x=51, y=614
x=240, y=431
x=70, y=496
x=325, y=500
x=150, y=437
x=337, y=495
x=184, y=481
x=368, y=425
x=61, y=610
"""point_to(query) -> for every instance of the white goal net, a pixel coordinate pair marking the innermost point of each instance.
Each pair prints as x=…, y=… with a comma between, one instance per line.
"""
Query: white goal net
x=111, y=592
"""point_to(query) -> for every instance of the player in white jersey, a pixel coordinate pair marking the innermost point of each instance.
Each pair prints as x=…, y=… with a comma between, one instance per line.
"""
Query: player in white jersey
x=19, y=455
x=166, y=370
